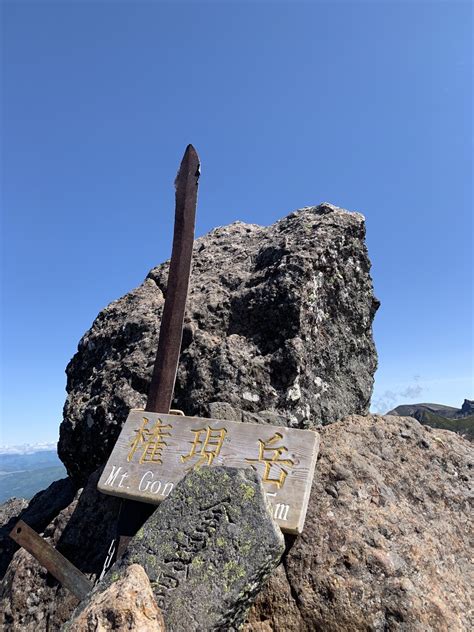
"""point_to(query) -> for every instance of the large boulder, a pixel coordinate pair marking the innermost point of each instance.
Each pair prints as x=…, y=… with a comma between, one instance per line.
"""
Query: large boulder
x=387, y=544
x=279, y=320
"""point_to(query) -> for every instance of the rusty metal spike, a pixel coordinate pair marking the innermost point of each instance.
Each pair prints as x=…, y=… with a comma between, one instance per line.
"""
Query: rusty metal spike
x=161, y=389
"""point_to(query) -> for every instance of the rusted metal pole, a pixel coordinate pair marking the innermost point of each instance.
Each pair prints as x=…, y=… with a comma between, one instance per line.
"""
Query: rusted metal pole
x=161, y=389
x=65, y=572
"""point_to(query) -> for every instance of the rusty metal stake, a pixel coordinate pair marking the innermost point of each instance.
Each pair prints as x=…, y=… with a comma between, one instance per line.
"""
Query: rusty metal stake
x=61, y=568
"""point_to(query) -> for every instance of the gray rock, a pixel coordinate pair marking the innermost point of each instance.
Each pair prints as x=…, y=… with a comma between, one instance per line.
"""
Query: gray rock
x=11, y=508
x=207, y=550
x=467, y=408
x=386, y=544
x=279, y=319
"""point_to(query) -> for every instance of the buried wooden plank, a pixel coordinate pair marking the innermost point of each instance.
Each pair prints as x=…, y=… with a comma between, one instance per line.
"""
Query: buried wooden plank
x=65, y=572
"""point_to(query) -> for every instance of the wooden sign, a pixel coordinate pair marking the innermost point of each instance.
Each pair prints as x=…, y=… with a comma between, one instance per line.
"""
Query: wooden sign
x=154, y=451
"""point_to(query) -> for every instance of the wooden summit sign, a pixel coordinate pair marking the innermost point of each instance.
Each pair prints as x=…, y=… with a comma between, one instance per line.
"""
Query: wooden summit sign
x=154, y=451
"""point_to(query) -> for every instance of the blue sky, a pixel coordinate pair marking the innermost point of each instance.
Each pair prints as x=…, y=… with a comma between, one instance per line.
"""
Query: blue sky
x=365, y=105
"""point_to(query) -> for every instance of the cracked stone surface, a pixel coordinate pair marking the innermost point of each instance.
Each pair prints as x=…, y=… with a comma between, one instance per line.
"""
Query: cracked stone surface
x=278, y=322
x=387, y=544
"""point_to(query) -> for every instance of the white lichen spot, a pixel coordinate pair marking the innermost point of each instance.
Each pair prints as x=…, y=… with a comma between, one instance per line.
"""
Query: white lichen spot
x=322, y=386
x=294, y=392
x=250, y=397
x=314, y=287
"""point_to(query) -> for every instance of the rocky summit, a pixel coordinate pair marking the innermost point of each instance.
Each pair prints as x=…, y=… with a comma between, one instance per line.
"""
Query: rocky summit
x=279, y=322
x=278, y=331
x=387, y=545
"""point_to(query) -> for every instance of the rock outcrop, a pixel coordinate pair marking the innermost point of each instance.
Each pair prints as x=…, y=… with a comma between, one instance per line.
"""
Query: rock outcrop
x=278, y=331
x=127, y=604
x=38, y=513
x=30, y=599
x=387, y=543
x=279, y=320
x=467, y=408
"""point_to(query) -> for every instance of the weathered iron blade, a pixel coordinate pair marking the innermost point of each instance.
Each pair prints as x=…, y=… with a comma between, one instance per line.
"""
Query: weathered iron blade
x=65, y=572
x=161, y=389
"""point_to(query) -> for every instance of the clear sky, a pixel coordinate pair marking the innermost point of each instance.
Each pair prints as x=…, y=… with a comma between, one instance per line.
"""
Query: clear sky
x=365, y=105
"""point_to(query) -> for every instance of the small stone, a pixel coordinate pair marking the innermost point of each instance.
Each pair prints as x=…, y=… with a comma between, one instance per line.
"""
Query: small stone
x=340, y=472
x=223, y=410
x=250, y=397
x=126, y=604
x=294, y=392
x=331, y=490
x=406, y=584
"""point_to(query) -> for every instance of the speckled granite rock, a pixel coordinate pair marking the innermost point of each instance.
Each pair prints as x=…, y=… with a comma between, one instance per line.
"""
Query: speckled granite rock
x=127, y=604
x=387, y=544
x=11, y=508
x=207, y=550
x=279, y=319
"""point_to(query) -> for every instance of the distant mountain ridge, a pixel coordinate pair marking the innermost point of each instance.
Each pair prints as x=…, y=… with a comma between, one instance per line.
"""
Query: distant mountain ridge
x=460, y=420
x=28, y=448
x=23, y=474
